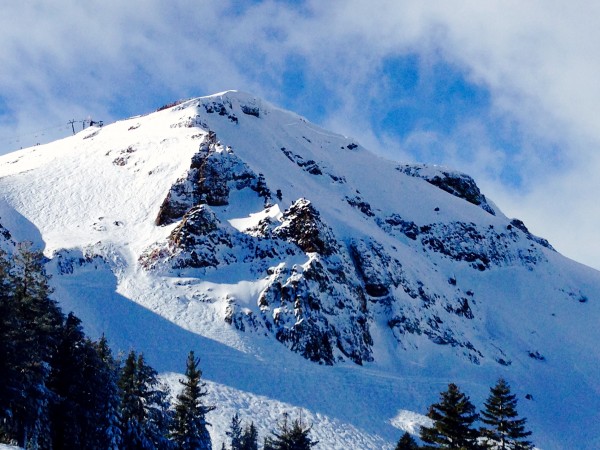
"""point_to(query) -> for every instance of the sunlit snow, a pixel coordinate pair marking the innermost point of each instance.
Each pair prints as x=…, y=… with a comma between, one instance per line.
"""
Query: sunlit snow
x=98, y=193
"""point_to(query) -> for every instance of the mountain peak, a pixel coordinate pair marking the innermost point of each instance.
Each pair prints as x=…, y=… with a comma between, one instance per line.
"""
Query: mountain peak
x=280, y=249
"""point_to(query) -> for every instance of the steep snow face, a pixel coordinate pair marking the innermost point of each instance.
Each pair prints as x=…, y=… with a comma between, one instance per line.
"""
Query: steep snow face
x=310, y=274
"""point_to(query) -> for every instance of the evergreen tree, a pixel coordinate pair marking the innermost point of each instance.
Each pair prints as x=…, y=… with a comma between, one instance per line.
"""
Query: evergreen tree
x=68, y=414
x=159, y=415
x=38, y=322
x=86, y=390
x=108, y=396
x=145, y=416
x=9, y=353
x=190, y=426
x=504, y=430
x=294, y=437
x=250, y=437
x=235, y=432
x=132, y=406
x=407, y=442
x=53, y=384
x=268, y=443
x=453, y=418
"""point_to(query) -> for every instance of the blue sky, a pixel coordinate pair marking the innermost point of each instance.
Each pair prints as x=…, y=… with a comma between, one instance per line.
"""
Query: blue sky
x=506, y=91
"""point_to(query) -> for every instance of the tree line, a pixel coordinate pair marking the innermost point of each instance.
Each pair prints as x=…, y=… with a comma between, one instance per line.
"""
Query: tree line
x=454, y=416
x=61, y=390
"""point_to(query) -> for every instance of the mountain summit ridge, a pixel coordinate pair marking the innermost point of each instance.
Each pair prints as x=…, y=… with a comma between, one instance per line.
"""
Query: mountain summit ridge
x=227, y=223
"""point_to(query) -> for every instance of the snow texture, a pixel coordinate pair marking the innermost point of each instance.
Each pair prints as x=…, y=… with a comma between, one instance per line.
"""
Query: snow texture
x=310, y=275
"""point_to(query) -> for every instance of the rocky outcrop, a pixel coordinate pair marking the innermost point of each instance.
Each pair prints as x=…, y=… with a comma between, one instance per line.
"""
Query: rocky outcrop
x=311, y=166
x=482, y=248
x=458, y=184
x=200, y=241
x=379, y=272
x=214, y=171
x=301, y=224
x=317, y=308
x=521, y=226
x=318, y=311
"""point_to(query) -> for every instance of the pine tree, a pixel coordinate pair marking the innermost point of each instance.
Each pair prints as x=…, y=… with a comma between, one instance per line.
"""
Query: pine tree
x=453, y=418
x=108, y=396
x=190, y=426
x=9, y=353
x=504, y=431
x=250, y=437
x=84, y=382
x=53, y=391
x=407, y=442
x=268, y=443
x=132, y=407
x=145, y=415
x=294, y=437
x=34, y=341
x=68, y=414
x=235, y=433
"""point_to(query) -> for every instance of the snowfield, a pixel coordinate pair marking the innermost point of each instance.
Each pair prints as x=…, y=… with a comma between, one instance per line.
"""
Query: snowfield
x=486, y=299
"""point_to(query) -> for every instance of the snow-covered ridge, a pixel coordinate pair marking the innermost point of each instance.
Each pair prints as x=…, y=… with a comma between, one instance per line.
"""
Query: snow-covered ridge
x=306, y=271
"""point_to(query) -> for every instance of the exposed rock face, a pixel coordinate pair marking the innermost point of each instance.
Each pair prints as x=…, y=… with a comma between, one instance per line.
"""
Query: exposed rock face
x=318, y=311
x=481, y=248
x=312, y=167
x=458, y=184
x=379, y=273
x=200, y=240
x=521, y=226
x=320, y=294
x=302, y=226
x=214, y=171
x=316, y=308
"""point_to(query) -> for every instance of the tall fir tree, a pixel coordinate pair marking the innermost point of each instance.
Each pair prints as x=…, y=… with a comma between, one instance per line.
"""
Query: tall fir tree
x=453, y=418
x=109, y=397
x=504, y=429
x=68, y=413
x=86, y=391
x=132, y=406
x=290, y=437
x=407, y=442
x=250, y=437
x=39, y=322
x=235, y=432
x=190, y=430
x=145, y=415
x=9, y=353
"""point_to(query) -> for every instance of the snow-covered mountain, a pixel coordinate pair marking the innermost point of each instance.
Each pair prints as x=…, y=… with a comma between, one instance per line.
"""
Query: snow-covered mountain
x=310, y=275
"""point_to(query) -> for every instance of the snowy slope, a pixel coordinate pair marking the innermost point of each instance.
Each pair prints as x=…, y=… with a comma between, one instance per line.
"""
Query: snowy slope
x=231, y=227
